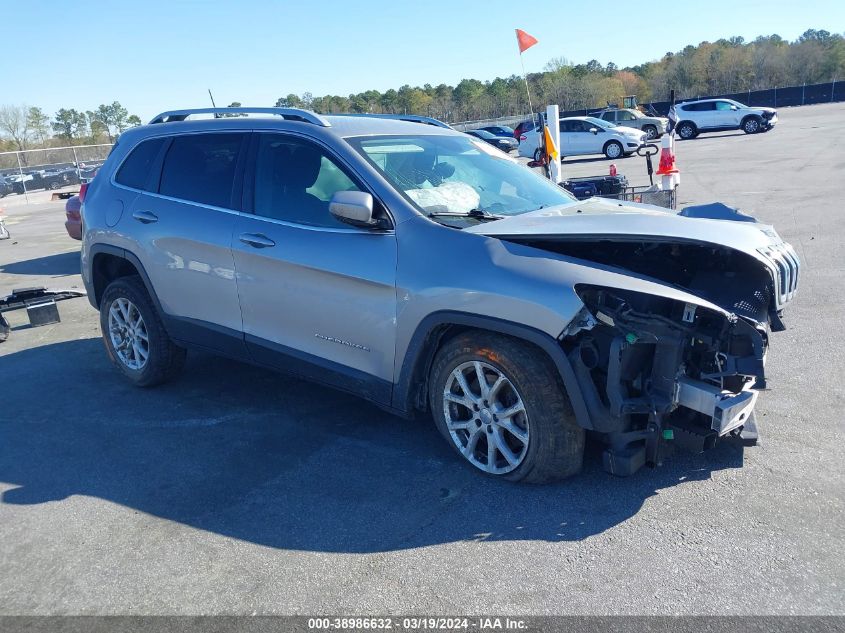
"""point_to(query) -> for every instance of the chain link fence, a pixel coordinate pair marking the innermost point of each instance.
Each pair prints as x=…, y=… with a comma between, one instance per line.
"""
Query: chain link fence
x=54, y=168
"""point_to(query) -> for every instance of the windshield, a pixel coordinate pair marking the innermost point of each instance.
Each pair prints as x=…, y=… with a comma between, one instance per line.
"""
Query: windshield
x=458, y=174
x=600, y=122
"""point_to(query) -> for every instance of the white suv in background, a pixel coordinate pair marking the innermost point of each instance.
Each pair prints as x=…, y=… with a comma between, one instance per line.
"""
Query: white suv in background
x=715, y=115
x=581, y=135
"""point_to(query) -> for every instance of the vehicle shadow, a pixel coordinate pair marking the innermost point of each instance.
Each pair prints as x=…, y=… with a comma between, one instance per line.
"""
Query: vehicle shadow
x=248, y=453
x=704, y=136
x=59, y=264
x=597, y=159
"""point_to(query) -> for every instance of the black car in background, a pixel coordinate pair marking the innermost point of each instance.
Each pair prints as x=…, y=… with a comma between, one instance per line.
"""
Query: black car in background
x=5, y=187
x=499, y=130
x=58, y=178
x=504, y=144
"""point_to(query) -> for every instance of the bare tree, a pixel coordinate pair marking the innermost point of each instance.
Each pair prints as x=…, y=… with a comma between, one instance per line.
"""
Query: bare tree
x=14, y=121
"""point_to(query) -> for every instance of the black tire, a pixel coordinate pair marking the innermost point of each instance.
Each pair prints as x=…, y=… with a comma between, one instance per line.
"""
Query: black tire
x=651, y=132
x=165, y=359
x=555, y=447
x=537, y=154
x=752, y=125
x=687, y=130
x=613, y=149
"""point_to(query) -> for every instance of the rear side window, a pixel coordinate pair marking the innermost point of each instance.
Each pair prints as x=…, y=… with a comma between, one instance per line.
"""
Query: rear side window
x=201, y=168
x=135, y=171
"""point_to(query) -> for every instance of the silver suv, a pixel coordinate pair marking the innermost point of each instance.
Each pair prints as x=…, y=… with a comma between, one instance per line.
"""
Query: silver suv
x=690, y=118
x=426, y=271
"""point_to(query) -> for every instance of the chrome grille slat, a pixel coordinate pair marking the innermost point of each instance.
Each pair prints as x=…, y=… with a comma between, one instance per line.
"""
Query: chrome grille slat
x=785, y=265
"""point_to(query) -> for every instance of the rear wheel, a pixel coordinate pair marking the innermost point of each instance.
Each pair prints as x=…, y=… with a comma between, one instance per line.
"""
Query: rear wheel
x=134, y=335
x=687, y=130
x=501, y=405
x=613, y=149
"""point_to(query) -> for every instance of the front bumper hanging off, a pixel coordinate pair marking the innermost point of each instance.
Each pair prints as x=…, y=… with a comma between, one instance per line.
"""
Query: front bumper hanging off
x=39, y=303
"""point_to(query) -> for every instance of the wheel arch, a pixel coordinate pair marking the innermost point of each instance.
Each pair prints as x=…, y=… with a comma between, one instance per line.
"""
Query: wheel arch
x=436, y=329
x=751, y=115
x=683, y=121
x=111, y=262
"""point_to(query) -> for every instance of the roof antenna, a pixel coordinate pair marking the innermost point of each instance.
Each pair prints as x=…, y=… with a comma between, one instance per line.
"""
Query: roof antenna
x=214, y=105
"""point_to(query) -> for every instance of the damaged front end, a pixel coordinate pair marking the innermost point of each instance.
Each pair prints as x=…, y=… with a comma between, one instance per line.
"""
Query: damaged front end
x=669, y=347
x=655, y=370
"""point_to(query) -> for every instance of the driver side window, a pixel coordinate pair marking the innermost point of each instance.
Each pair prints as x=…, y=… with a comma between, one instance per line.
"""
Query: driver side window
x=295, y=180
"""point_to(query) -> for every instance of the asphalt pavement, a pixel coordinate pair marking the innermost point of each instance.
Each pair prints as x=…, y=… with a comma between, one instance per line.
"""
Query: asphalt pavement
x=234, y=490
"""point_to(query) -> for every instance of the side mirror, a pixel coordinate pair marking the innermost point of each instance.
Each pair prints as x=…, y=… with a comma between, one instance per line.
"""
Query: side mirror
x=354, y=207
x=594, y=130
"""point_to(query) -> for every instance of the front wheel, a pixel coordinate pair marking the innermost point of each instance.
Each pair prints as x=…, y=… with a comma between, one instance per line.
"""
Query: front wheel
x=501, y=405
x=613, y=149
x=650, y=132
x=751, y=125
x=134, y=335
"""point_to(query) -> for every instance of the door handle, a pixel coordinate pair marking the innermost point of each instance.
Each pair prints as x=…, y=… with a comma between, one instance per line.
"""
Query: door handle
x=257, y=240
x=147, y=217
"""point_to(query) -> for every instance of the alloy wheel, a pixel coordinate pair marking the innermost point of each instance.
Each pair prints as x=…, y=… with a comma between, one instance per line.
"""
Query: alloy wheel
x=128, y=334
x=486, y=417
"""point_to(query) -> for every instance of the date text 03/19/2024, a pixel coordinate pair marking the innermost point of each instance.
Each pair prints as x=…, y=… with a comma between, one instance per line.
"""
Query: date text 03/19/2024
x=417, y=623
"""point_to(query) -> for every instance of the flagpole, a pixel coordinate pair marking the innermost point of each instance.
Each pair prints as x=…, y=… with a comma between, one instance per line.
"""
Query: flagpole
x=527, y=91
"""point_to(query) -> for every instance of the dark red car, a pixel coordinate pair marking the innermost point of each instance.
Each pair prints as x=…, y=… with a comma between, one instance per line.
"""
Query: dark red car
x=73, y=221
x=522, y=128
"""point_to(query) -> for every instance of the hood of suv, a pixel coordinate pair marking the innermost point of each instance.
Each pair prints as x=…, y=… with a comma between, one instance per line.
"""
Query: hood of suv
x=711, y=251
x=601, y=218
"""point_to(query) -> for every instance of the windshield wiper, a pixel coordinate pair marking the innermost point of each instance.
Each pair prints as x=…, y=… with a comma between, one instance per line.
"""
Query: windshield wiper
x=478, y=214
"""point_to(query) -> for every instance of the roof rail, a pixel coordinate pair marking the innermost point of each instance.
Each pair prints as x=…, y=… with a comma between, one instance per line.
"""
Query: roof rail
x=292, y=114
x=412, y=118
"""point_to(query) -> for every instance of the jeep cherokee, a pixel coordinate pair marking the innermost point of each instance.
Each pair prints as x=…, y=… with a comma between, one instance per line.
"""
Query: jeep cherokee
x=425, y=270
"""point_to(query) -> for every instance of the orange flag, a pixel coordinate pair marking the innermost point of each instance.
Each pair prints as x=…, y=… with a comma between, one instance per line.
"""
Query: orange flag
x=551, y=149
x=524, y=40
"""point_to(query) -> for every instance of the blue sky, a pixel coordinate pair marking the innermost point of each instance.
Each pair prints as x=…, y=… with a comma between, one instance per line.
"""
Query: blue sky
x=161, y=54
